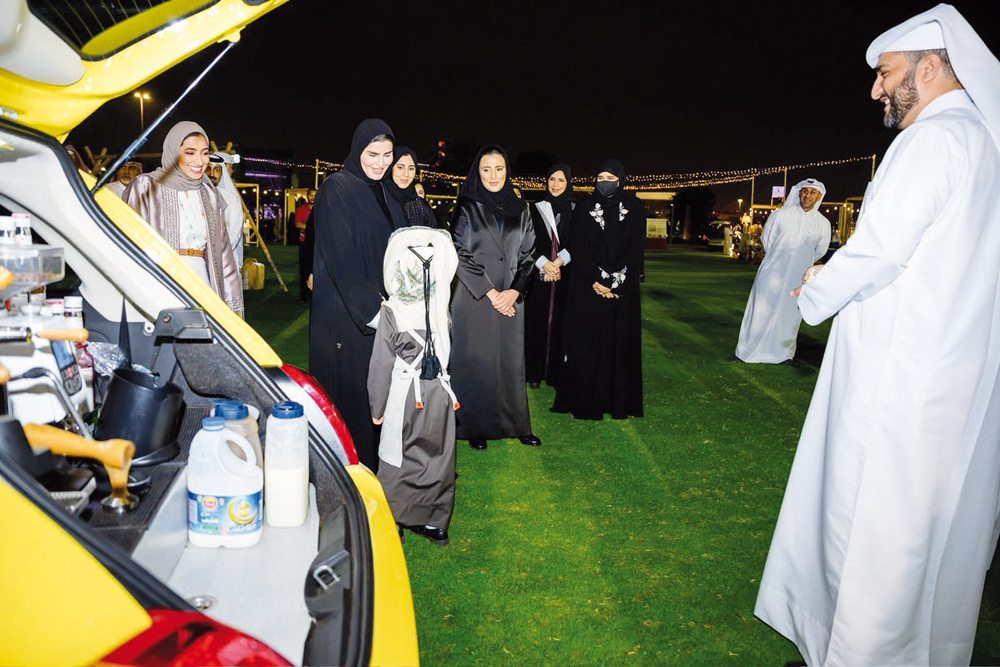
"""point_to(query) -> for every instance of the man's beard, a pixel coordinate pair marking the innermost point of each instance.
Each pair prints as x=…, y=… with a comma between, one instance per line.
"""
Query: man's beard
x=901, y=100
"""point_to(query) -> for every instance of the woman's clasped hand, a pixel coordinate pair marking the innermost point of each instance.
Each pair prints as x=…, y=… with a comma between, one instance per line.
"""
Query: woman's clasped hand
x=503, y=301
x=606, y=292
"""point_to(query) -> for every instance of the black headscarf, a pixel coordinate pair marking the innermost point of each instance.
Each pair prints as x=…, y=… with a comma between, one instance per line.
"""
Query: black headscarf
x=613, y=166
x=401, y=195
x=364, y=135
x=504, y=204
x=564, y=202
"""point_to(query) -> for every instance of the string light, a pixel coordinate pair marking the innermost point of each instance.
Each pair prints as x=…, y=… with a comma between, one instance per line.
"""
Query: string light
x=638, y=183
x=670, y=181
x=280, y=163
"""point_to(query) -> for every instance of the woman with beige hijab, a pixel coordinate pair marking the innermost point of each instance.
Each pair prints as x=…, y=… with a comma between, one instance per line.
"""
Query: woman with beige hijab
x=179, y=202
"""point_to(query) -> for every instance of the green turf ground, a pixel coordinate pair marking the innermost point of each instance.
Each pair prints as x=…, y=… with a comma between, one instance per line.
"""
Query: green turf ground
x=637, y=542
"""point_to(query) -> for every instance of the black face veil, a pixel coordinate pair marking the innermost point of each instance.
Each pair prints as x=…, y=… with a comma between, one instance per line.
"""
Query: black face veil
x=612, y=166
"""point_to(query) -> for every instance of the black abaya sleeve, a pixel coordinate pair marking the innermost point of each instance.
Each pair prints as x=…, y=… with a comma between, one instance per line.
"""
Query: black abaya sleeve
x=310, y=244
x=340, y=246
x=635, y=223
x=397, y=216
x=566, y=233
x=470, y=273
x=543, y=242
x=427, y=217
x=525, y=256
x=581, y=246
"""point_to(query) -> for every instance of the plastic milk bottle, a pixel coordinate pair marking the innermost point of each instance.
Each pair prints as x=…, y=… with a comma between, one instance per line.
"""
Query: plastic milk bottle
x=286, y=466
x=239, y=420
x=224, y=491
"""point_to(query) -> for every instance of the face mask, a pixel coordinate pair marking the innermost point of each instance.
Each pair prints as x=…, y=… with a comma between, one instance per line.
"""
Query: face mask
x=607, y=188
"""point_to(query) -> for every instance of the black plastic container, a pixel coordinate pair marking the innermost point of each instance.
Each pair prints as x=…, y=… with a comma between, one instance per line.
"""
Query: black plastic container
x=137, y=410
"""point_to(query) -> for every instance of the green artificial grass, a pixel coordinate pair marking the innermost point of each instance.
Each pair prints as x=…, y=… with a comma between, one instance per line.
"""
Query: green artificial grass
x=279, y=316
x=635, y=542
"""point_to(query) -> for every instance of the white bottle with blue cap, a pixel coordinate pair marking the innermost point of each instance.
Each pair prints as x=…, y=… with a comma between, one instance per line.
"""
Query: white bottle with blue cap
x=239, y=420
x=286, y=466
x=225, y=492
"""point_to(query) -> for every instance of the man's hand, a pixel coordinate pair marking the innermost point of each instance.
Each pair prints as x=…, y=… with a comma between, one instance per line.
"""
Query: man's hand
x=309, y=282
x=551, y=272
x=378, y=422
x=810, y=276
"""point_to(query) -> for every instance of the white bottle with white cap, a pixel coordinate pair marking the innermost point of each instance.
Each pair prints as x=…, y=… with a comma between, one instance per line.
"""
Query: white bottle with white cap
x=286, y=466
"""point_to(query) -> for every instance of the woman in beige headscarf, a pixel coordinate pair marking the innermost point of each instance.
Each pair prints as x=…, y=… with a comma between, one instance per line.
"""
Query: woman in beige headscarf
x=179, y=202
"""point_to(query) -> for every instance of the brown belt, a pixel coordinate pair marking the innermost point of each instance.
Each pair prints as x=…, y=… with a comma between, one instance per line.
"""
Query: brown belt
x=191, y=252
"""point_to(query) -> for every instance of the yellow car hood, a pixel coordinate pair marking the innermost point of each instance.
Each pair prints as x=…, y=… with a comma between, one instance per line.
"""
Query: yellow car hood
x=58, y=66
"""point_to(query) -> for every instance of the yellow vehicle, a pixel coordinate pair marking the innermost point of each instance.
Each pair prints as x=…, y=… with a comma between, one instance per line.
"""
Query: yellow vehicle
x=88, y=584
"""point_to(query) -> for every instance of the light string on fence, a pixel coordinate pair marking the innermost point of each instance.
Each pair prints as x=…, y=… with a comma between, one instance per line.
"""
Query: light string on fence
x=638, y=182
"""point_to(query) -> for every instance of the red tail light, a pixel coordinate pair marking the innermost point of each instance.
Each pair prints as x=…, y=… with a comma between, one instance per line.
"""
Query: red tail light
x=316, y=392
x=190, y=639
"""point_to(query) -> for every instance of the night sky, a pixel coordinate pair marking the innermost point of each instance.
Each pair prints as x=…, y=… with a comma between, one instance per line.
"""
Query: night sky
x=667, y=87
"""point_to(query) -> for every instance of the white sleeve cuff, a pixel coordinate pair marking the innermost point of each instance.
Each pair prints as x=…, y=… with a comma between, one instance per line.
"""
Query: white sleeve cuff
x=565, y=256
x=374, y=323
x=540, y=262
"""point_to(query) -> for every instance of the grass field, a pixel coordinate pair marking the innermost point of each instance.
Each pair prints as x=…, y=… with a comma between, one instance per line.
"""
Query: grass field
x=637, y=542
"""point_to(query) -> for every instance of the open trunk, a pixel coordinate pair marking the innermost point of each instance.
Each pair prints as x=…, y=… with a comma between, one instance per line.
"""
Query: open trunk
x=306, y=592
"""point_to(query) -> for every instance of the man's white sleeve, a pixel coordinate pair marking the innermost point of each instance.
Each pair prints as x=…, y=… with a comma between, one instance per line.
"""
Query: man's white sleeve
x=921, y=171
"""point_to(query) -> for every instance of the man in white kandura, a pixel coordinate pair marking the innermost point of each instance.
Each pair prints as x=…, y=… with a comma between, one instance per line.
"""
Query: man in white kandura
x=218, y=173
x=795, y=236
x=889, y=519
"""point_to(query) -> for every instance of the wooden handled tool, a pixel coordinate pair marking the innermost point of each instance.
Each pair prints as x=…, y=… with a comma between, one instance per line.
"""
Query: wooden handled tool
x=114, y=453
x=78, y=335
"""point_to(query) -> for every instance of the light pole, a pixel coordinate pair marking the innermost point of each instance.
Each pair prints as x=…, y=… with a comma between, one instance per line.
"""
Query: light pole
x=739, y=205
x=142, y=118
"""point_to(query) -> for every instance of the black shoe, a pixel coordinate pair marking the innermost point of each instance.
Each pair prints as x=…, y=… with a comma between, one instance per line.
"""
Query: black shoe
x=402, y=535
x=787, y=362
x=478, y=445
x=435, y=535
x=534, y=385
x=530, y=440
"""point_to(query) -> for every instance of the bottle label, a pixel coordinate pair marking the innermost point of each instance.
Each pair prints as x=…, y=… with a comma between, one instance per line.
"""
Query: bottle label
x=224, y=515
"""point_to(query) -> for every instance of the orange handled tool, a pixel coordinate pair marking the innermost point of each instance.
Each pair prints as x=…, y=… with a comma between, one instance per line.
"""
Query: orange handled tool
x=114, y=453
x=79, y=335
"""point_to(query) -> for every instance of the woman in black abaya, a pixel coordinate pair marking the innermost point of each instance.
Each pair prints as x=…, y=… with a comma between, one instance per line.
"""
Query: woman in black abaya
x=602, y=364
x=354, y=219
x=546, y=301
x=494, y=240
x=401, y=187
